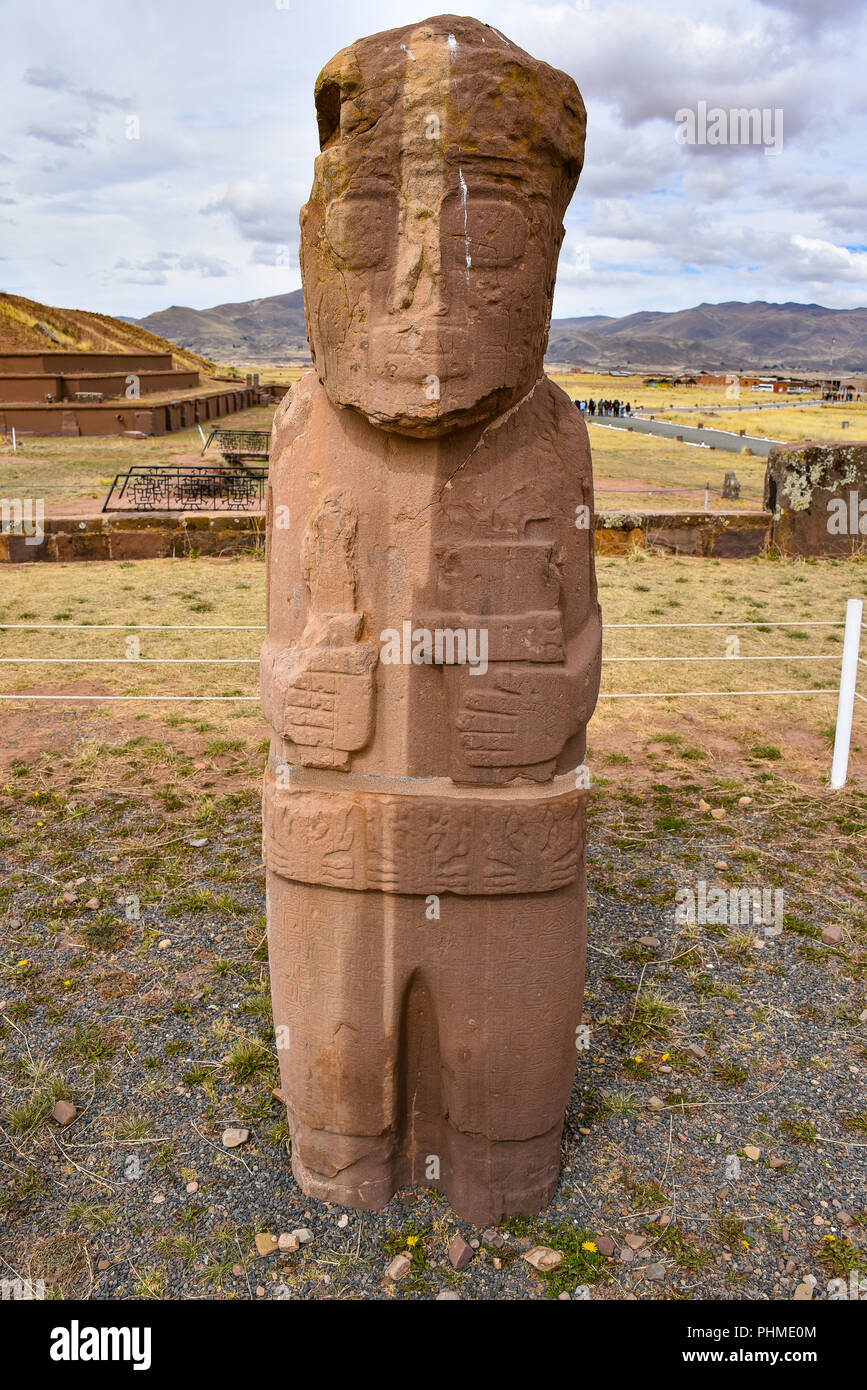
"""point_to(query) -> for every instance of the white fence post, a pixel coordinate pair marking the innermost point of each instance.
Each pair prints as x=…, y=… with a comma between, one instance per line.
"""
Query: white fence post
x=846, y=701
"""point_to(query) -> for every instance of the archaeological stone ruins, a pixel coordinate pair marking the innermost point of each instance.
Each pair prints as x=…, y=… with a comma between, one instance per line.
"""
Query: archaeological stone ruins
x=433, y=644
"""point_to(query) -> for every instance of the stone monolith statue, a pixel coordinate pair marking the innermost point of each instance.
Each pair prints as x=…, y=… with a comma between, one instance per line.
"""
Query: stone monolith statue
x=433, y=646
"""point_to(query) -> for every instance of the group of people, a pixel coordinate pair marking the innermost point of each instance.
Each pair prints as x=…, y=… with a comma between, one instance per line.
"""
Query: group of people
x=616, y=408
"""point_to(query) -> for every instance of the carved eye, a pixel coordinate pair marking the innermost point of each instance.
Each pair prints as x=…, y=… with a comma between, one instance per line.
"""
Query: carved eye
x=328, y=101
x=495, y=235
x=355, y=230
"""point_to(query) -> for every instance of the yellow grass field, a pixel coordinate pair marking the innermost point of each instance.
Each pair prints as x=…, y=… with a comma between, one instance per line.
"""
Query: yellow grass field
x=205, y=597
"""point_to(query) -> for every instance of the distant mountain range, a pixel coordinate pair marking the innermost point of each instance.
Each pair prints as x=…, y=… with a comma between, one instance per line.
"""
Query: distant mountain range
x=258, y=330
x=718, y=337
x=767, y=337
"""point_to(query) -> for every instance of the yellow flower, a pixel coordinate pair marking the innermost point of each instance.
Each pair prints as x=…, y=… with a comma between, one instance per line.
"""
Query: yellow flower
x=665, y=1056
x=22, y=962
x=589, y=1245
x=40, y=822
x=639, y=1059
x=412, y=1240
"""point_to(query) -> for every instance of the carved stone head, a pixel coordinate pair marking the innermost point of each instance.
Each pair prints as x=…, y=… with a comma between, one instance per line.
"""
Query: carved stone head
x=429, y=244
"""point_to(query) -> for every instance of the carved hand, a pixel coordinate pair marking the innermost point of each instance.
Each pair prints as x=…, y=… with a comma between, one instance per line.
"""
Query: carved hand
x=519, y=720
x=322, y=692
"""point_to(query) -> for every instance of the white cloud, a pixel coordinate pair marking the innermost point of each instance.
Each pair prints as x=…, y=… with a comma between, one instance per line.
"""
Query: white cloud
x=227, y=138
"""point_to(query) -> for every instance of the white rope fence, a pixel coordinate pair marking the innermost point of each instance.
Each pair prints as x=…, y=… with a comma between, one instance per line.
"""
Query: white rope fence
x=846, y=690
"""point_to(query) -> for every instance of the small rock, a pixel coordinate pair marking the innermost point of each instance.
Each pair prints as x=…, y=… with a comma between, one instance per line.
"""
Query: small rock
x=266, y=1243
x=745, y=801
x=343, y=1221
x=704, y=805
x=460, y=1252
x=605, y=1245
x=655, y=1103
x=845, y=1219
x=399, y=1268
x=104, y=1263
x=447, y=1296
x=158, y=1197
x=720, y=864
x=564, y=1297
x=635, y=1241
x=777, y=1162
x=233, y=1137
x=833, y=934
x=287, y=1241
x=803, y=1293
x=544, y=1259
x=260, y=1291
x=651, y=942
x=790, y=1266
x=237, y=1270
x=304, y=1235
x=92, y=903
x=63, y=1112
x=862, y=1017
x=655, y=1271
x=69, y=897
x=192, y=1187
x=752, y=1152
x=197, y=844
x=627, y=1255
x=718, y=812
x=492, y=1239
x=166, y=941
x=693, y=1050
x=665, y=1219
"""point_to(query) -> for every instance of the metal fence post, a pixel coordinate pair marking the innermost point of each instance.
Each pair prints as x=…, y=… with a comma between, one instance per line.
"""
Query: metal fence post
x=846, y=700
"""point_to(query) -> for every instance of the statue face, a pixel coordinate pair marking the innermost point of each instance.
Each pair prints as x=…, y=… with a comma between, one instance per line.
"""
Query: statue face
x=428, y=264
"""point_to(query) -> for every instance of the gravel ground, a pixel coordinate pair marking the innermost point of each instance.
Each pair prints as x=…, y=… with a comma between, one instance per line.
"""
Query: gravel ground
x=134, y=986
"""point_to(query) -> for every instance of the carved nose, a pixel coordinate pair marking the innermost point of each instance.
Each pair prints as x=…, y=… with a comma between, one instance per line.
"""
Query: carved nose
x=409, y=263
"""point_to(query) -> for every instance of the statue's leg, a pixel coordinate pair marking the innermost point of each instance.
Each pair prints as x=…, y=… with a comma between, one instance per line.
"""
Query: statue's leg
x=336, y=1013
x=508, y=1000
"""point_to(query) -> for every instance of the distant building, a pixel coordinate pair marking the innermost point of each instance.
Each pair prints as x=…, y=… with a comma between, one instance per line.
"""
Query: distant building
x=102, y=393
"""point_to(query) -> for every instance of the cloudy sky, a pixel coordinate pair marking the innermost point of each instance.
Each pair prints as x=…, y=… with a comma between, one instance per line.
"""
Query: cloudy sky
x=158, y=153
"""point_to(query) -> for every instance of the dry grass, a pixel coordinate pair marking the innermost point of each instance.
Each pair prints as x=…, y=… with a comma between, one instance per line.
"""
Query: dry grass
x=639, y=588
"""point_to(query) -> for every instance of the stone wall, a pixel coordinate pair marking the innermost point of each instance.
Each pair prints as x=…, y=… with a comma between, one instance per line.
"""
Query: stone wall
x=817, y=495
x=733, y=535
